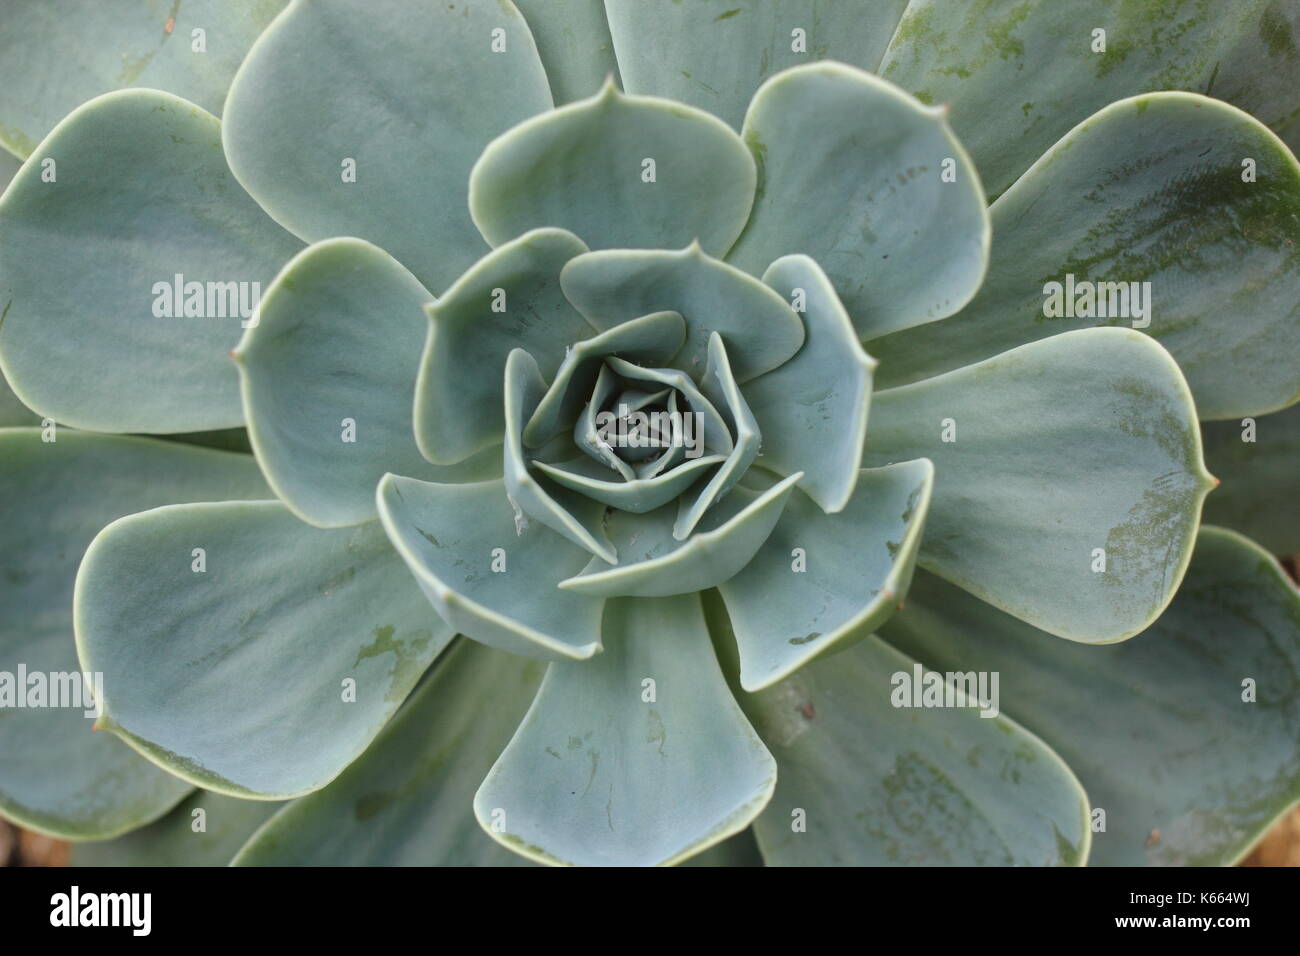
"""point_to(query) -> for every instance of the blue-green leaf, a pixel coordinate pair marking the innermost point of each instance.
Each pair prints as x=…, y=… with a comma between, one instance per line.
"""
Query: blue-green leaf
x=637, y=757
x=573, y=41
x=185, y=837
x=1017, y=74
x=350, y=117
x=654, y=562
x=1185, y=737
x=491, y=575
x=760, y=329
x=408, y=800
x=821, y=582
x=510, y=299
x=864, y=782
x=649, y=340
x=618, y=171
x=56, y=775
x=714, y=53
x=812, y=411
x=1171, y=213
x=871, y=184
x=128, y=267
x=1068, y=479
x=59, y=53
x=328, y=380
x=578, y=519
x=262, y=665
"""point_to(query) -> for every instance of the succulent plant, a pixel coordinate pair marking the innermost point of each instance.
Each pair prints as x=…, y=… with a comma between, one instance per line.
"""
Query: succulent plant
x=659, y=439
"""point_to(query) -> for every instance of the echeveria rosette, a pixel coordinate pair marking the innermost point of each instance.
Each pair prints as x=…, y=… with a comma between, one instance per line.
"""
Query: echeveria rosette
x=474, y=433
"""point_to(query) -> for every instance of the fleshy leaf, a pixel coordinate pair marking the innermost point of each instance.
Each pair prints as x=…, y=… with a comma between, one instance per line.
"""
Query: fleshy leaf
x=104, y=267
x=1017, y=74
x=196, y=659
x=573, y=516
x=649, y=340
x=882, y=785
x=619, y=171
x=586, y=436
x=1142, y=211
x=812, y=411
x=1068, y=483
x=719, y=386
x=871, y=184
x=407, y=801
x=454, y=538
x=821, y=582
x=638, y=495
x=1185, y=736
x=173, y=841
x=654, y=563
x=713, y=430
x=1258, y=492
x=714, y=53
x=573, y=41
x=349, y=117
x=510, y=299
x=103, y=47
x=339, y=336
x=760, y=329
x=55, y=774
x=572, y=785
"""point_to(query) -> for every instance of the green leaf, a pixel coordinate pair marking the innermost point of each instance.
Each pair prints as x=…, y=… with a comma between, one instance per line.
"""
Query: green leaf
x=584, y=167
x=812, y=411
x=407, y=801
x=55, y=774
x=875, y=784
x=90, y=263
x=339, y=335
x=654, y=562
x=854, y=173
x=718, y=384
x=381, y=83
x=616, y=286
x=572, y=786
x=573, y=41
x=716, y=436
x=637, y=495
x=455, y=537
x=1046, y=456
x=571, y=515
x=1149, y=190
x=1017, y=74
x=1258, y=491
x=821, y=582
x=102, y=47
x=173, y=841
x=649, y=340
x=269, y=670
x=714, y=53
x=510, y=299
x=1158, y=728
